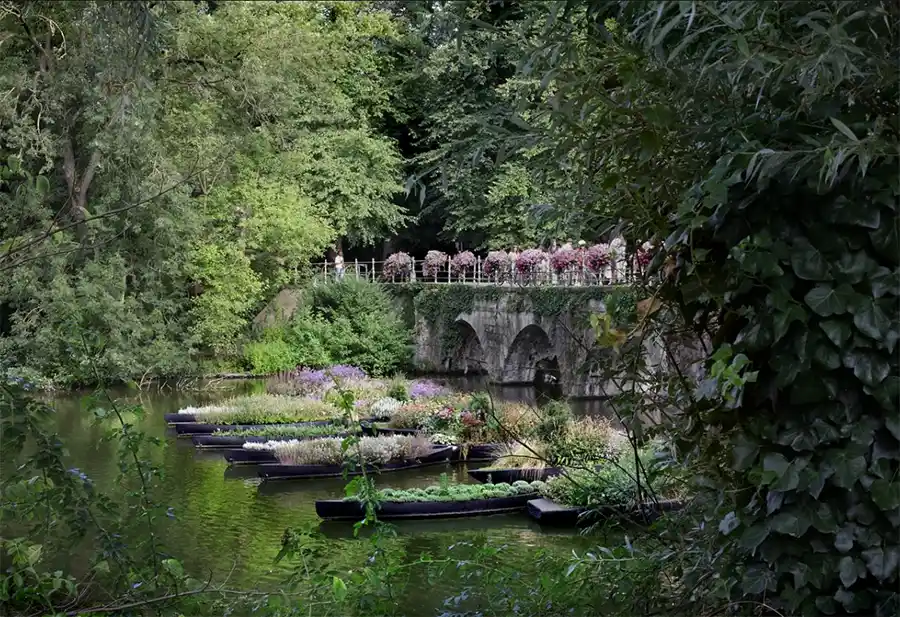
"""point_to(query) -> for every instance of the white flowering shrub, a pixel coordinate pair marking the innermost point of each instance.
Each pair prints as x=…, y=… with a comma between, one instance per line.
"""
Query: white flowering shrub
x=384, y=407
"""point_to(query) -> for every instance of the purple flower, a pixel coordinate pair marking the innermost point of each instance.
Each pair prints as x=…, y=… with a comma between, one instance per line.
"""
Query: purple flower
x=79, y=474
x=426, y=389
x=434, y=262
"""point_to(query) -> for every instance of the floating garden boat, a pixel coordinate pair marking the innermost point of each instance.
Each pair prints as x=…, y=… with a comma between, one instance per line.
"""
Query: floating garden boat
x=548, y=512
x=444, y=501
x=274, y=432
x=323, y=458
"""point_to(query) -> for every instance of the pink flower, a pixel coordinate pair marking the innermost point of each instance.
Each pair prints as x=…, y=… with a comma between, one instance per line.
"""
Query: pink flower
x=462, y=262
x=597, y=257
x=563, y=259
x=434, y=262
x=529, y=259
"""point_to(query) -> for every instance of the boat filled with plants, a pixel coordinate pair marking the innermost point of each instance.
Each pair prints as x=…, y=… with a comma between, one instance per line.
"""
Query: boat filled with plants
x=468, y=420
x=275, y=432
x=556, y=441
x=327, y=457
x=583, y=496
x=304, y=397
x=445, y=500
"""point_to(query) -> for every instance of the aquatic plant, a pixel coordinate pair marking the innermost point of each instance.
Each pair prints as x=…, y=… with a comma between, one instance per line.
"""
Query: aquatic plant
x=330, y=451
x=460, y=492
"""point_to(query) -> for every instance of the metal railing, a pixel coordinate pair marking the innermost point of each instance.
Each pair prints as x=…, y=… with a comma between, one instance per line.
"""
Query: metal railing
x=617, y=273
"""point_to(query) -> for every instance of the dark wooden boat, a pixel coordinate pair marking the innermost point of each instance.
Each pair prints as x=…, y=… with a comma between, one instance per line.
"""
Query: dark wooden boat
x=548, y=512
x=349, y=510
x=440, y=454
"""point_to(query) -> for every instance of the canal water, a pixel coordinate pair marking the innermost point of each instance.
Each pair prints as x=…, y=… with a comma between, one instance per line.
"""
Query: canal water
x=224, y=522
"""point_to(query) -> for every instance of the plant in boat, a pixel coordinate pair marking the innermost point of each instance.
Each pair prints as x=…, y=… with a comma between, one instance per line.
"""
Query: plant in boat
x=278, y=430
x=461, y=492
x=526, y=455
x=330, y=451
x=263, y=409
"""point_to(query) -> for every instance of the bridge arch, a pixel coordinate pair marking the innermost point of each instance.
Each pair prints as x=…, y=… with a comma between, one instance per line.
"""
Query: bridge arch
x=467, y=355
x=531, y=358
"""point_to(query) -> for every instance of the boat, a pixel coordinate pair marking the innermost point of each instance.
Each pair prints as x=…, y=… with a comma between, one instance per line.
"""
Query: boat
x=351, y=510
x=549, y=512
x=279, y=471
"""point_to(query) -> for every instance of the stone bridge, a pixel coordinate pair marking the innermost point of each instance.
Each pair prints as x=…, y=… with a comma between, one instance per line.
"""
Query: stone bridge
x=512, y=342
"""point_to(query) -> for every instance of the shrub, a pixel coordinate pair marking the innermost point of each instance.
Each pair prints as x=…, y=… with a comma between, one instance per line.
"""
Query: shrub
x=588, y=440
x=611, y=483
x=350, y=322
x=554, y=419
x=398, y=390
x=268, y=357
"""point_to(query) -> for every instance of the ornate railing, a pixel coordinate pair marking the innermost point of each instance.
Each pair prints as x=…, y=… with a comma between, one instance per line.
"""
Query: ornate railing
x=617, y=273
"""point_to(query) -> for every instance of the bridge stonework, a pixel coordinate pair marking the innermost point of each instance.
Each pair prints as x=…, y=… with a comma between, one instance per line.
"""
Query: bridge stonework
x=506, y=338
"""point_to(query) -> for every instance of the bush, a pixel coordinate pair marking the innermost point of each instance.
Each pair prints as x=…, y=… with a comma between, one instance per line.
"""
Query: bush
x=356, y=323
x=267, y=357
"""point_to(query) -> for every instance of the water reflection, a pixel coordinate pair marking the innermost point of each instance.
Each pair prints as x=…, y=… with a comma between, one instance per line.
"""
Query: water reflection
x=225, y=517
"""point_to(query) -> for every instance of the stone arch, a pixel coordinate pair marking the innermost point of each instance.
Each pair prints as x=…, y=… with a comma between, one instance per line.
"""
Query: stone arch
x=530, y=357
x=467, y=355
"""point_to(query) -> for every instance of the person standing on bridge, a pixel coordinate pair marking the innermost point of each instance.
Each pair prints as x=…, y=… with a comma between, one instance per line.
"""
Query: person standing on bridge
x=339, y=265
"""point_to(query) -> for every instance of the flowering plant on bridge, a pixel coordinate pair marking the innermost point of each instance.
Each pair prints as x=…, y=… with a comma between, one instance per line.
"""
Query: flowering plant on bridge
x=434, y=262
x=597, y=257
x=397, y=266
x=529, y=259
x=462, y=262
x=564, y=259
x=644, y=255
x=496, y=263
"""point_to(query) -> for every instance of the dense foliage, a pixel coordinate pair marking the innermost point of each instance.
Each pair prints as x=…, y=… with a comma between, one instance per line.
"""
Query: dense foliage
x=262, y=409
x=349, y=322
x=166, y=167
x=332, y=451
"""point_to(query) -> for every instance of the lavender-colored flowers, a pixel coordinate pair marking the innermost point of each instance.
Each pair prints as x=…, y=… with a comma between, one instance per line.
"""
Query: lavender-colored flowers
x=426, y=389
x=496, y=262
